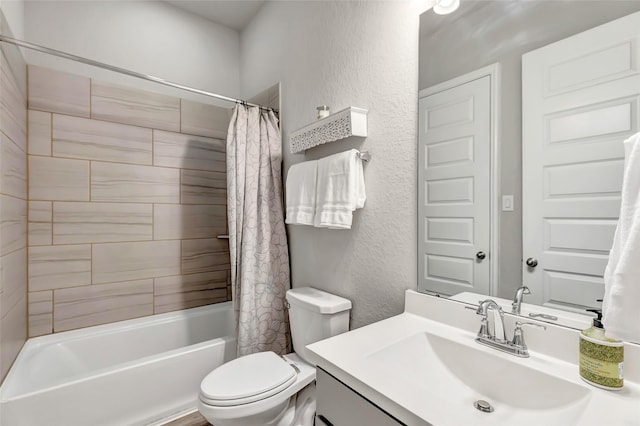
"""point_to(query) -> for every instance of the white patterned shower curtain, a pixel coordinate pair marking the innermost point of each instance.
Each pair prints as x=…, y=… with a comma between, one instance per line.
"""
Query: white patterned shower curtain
x=257, y=237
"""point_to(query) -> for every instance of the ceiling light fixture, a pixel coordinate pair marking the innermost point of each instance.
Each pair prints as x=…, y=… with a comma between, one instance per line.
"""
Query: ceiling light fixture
x=443, y=7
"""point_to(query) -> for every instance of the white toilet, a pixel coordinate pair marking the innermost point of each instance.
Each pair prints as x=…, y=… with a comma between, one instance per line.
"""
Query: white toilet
x=264, y=389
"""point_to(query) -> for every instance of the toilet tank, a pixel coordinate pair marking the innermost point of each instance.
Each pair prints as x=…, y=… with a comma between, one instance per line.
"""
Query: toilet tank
x=315, y=315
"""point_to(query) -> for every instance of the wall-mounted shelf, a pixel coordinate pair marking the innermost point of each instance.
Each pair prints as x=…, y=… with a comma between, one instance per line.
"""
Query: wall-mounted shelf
x=350, y=121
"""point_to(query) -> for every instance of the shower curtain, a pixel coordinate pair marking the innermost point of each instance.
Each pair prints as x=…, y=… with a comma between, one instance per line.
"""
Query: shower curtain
x=257, y=237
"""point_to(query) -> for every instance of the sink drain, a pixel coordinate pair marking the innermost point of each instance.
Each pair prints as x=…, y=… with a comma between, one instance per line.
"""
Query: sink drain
x=483, y=406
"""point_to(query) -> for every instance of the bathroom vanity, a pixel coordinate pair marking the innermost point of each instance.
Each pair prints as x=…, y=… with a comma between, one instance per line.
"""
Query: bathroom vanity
x=338, y=404
x=424, y=367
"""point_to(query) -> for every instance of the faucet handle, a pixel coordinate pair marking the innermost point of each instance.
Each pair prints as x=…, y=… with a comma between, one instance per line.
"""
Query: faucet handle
x=518, y=336
x=520, y=324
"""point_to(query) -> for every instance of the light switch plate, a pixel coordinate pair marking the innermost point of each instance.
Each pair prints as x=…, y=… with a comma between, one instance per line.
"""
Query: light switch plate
x=507, y=203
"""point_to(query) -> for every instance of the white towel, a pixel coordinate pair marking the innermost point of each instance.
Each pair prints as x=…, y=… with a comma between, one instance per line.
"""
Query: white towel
x=340, y=190
x=621, y=302
x=301, y=193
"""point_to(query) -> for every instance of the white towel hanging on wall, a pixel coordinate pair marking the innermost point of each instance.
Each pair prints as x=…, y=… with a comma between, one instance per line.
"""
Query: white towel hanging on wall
x=340, y=190
x=324, y=193
x=301, y=193
x=621, y=315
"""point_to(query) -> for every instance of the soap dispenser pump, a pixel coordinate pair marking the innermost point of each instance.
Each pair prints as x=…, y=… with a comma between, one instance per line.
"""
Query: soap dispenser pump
x=601, y=358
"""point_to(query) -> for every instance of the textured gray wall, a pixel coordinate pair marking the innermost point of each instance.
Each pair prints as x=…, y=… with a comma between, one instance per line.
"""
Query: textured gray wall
x=481, y=33
x=363, y=54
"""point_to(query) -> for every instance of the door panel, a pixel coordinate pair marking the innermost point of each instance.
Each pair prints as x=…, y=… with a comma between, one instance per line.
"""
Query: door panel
x=454, y=188
x=580, y=101
x=562, y=288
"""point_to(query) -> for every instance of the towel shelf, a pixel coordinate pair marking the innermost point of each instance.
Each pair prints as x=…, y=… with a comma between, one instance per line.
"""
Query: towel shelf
x=350, y=121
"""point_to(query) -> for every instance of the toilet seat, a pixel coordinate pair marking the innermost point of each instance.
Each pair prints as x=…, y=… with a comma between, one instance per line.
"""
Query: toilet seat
x=247, y=379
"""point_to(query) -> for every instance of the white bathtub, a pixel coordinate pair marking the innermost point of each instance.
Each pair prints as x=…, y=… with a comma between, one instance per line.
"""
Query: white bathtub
x=137, y=372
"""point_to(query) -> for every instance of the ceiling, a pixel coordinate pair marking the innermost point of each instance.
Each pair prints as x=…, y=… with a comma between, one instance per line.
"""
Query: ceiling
x=235, y=14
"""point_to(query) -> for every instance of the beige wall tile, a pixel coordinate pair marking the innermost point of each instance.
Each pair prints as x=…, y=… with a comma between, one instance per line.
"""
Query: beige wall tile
x=198, y=187
x=52, y=267
x=205, y=255
x=76, y=223
x=204, y=120
x=189, y=291
x=100, y=304
x=188, y=152
x=58, y=179
x=40, y=223
x=135, y=184
x=39, y=133
x=175, y=221
x=82, y=138
x=13, y=107
x=13, y=224
x=131, y=261
x=92, y=199
x=14, y=279
x=13, y=333
x=56, y=91
x=13, y=171
x=40, y=313
x=131, y=106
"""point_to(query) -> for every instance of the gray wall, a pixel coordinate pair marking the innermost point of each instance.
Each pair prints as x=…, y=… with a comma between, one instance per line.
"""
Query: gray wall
x=481, y=33
x=342, y=53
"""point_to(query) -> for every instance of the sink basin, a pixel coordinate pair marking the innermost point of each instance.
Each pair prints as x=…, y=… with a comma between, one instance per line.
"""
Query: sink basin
x=424, y=368
x=460, y=372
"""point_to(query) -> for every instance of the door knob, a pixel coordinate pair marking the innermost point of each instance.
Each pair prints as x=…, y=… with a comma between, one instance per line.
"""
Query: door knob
x=531, y=262
x=481, y=255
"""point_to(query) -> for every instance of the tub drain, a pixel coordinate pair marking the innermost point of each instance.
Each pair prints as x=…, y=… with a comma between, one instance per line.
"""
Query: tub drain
x=483, y=406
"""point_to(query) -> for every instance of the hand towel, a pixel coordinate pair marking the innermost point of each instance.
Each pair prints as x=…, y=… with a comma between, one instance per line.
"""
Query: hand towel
x=340, y=190
x=301, y=193
x=621, y=302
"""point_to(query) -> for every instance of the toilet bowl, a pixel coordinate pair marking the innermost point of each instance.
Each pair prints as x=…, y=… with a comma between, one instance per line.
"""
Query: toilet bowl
x=265, y=389
x=265, y=400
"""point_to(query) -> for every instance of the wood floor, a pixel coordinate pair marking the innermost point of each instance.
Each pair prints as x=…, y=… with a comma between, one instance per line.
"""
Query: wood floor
x=193, y=419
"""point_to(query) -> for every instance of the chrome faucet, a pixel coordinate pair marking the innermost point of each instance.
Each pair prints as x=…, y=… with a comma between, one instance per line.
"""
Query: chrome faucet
x=495, y=337
x=495, y=333
x=517, y=300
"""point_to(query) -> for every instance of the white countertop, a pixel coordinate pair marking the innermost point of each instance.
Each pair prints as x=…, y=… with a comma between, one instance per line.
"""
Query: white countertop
x=353, y=358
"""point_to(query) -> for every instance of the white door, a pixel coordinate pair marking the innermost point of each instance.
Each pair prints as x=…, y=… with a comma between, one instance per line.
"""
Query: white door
x=454, y=189
x=580, y=101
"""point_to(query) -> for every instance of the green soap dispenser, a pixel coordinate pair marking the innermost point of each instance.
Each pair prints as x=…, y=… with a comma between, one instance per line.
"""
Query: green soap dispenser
x=601, y=358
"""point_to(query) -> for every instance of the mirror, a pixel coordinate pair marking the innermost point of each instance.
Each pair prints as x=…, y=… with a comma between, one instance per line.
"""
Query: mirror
x=476, y=36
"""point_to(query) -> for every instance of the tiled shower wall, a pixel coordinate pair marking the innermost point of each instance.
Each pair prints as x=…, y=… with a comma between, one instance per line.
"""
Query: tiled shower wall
x=13, y=204
x=127, y=193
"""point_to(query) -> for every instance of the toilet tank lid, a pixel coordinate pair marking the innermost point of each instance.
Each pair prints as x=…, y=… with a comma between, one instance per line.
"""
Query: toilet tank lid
x=317, y=300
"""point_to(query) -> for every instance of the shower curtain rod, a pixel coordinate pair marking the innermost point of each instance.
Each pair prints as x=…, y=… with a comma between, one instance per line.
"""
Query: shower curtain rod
x=135, y=74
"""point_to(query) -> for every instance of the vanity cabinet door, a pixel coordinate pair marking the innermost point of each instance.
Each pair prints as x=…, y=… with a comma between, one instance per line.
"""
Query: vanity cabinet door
x=339, y=405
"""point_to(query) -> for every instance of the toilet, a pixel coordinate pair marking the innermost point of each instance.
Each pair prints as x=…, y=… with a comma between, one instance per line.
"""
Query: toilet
x=265, y=389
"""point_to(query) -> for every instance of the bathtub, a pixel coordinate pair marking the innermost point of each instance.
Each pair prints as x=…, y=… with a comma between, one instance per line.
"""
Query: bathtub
x=144, y=371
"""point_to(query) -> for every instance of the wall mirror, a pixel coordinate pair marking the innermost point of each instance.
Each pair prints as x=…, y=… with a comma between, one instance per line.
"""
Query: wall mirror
x=523, y=109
